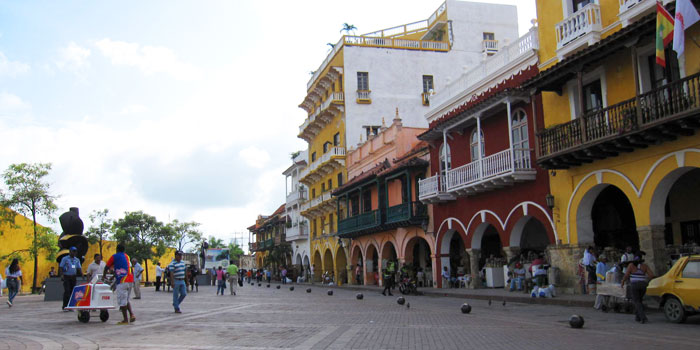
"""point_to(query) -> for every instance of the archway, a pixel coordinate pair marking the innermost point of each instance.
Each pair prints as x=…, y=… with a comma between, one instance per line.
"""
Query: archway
x=388, y=253
x=341, y=263
x=356, y=259
x=372, y=265
x=678, y=193
x=317, y=266
x=605, y=218
x=298, y=260
x=453, y=255
x=529, y=235
x=491, y=247
x=328, y=262
x=418, y=261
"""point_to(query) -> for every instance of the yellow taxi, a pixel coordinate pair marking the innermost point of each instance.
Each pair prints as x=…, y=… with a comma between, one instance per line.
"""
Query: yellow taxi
x=679, y=289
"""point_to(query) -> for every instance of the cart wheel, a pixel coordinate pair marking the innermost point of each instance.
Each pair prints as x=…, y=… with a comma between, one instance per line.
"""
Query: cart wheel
x=84, y=316
x=104, y=315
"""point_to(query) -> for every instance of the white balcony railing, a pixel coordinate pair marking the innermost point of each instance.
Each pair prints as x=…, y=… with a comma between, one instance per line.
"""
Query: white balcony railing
x=326, y=196
x=364, y=95
x=584, y=21
x=431, y=186
x=297, y=231
x=296, y=196
x=524, y=46
x=489, y=46
x=336, y=97
x=633, y=9
x=504, y=162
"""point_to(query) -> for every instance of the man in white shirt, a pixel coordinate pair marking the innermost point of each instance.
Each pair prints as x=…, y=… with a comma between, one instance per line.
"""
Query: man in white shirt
x=138, y=271
x=95, y=268
x=589, y=262
x=628, y=256
x=159, y=275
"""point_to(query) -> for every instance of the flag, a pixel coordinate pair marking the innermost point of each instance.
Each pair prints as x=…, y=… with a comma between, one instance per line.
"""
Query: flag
x=686, y=16
x=664, y=32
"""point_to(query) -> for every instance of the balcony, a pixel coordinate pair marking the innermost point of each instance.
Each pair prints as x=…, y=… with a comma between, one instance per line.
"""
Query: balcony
x=279, y=239
x=631, y=10
x=325, y=165
x=522, y=50
x=319, y=206
x=581, y=29
x=489, y=47
x=487, y=174
x=364, y=97
x=295, y=197
x=434, y=190
x=297, y=231
x=406, y=214
x=269, y=243
x=253, y=246
x=365, y=221
x=322, y=116
x=659, y=115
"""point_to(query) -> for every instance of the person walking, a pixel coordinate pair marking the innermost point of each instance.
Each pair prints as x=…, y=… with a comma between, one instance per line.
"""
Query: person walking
x=95, y=268
x=358, y=274
x=177, y=281
x=232, y=271
x=268, y=273
x=13, y=275
x=192, y=277
x=70, y=269
x=138, y=272
x=388, y=278
x=159, y=275
x=220, y=281
x=589, y=261
x=284, y=275
x=123, y=279
x=637, y=277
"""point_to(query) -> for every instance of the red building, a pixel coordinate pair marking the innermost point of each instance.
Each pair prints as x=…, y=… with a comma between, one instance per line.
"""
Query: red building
x=488, y=196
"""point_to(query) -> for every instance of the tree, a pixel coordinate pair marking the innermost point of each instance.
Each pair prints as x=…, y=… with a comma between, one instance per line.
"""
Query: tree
x=185, y=233
x=101, y=229
x=235, y=251
x=143, y=235
x=347, y=28
x=331, y=46
x=215, y=242
x=29, y=194
x=278, y=256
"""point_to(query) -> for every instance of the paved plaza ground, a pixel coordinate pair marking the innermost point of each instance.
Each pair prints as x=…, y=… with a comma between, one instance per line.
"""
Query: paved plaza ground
x=265, y=318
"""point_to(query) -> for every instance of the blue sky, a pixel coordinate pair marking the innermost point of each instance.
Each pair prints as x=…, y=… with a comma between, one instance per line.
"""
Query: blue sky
x=184, y=109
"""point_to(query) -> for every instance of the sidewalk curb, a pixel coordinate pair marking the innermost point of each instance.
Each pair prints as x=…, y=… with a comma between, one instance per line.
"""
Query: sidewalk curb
x=437, y=293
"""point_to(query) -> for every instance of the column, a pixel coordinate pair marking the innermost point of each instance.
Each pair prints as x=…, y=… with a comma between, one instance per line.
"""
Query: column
x=474, y=256
x=511, y=252
x=651, y=241
x=510, y=135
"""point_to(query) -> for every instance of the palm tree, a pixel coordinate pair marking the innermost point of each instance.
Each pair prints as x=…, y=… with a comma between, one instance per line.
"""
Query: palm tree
x=347, y=28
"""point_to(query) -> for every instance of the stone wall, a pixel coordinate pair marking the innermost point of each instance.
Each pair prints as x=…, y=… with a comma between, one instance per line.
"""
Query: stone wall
x=566, y=258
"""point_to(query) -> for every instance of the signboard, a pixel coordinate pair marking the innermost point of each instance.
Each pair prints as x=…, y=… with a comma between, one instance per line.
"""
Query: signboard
x=216, y=257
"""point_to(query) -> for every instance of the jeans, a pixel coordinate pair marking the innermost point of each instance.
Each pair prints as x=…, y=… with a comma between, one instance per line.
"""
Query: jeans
x=12, y=289
x=637, y=290
x=158, y=283
x=179, y=293
x=284, y=279
x=220, y=286
x=232, y=284
x=68, y=285
x=516, y=282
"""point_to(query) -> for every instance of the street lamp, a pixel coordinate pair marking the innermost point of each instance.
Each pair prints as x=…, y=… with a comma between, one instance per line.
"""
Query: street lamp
x=550, y=201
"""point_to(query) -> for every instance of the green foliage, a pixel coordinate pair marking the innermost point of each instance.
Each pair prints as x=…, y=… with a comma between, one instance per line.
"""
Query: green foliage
x=101, y=229
x=235, y=251
x=143, y=235
x=29, y=194
x=185, y=233
x=278, y=256
x=347, y=28
x=215, y=242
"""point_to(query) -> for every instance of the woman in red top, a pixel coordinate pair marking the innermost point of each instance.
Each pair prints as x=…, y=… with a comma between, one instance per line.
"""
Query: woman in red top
x=220, y=281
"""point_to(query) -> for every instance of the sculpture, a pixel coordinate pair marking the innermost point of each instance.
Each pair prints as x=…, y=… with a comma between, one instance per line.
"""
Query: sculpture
x=72, y=235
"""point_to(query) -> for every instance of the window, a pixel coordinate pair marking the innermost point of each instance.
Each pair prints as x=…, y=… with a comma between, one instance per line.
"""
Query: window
x=474, y=145
x=521, y=146
x=313, y=157
x=445, y=156
x=690, y=232
x=323, y=187
x=330, y=184
x=340, y=179
x=362, y=81
x=427, y=83
x=692, y=269
x=313, y=193
x=371, y=130
x=313, y=228
x=326, y=147
x=659, y=75
x=354, y=205
x=489, y=36
x=336, y=139
x=367, y=201
x=579, y=4
x=330, y=223
x=592, y=96
x=323, y=225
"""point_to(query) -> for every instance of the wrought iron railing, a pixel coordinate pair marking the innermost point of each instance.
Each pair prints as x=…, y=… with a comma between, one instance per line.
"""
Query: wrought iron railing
x=405, y=211
x=360, y=222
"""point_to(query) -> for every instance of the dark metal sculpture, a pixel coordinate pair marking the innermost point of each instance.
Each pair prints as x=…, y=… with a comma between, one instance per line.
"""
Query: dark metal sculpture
x=72, y=235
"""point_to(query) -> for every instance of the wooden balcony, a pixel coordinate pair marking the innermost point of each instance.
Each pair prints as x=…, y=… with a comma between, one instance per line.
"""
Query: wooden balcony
x=365, y=221
x=662, y=114
x=404, y=214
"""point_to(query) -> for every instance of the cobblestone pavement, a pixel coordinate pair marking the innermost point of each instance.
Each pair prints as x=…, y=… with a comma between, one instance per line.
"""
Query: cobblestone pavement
x=263, y=318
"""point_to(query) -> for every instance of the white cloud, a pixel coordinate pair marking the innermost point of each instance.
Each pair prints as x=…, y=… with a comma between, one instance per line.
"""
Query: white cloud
x=72, y=57
x=10, y=104
x=11, y=68
x=134, y=109
x=255, y=157
x=148, y=59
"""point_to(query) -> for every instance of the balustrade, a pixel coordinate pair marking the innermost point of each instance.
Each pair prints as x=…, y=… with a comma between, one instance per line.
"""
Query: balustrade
x=581, y=22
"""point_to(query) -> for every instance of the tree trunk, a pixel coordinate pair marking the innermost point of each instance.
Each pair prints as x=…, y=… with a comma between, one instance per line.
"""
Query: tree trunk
x=145, y=262
x=101, y=247
x=36, y=253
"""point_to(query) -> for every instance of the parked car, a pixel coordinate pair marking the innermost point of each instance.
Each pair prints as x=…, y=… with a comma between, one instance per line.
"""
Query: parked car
x=678, y=290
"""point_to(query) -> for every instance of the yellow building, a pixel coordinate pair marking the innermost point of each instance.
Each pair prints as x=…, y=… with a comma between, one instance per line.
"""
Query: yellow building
x=619, y=132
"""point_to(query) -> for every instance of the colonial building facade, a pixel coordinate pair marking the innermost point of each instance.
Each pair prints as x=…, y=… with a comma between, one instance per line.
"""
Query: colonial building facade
x=297, y=226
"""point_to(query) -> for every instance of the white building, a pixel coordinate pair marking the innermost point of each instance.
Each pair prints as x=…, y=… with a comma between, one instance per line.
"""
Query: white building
x=297, y=229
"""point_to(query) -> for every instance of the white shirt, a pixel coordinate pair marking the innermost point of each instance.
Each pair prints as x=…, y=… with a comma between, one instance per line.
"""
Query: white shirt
x=159, y=271
x=588, y=258
x=15, y=275
x=137, y=271
x=96, y=269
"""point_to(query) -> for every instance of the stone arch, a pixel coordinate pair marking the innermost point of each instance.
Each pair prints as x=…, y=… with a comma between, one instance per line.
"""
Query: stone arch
x=529, y=233
x=328, y=264
x=297, y=261
x=357, y=258
x=371, y=264
x=660, y=193
x=317, y=264
x=585, y=216
x=341, y=263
